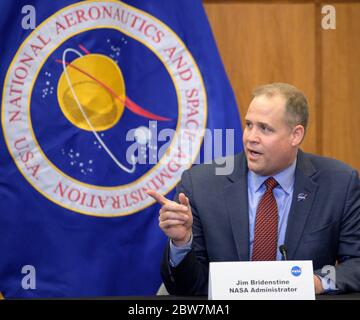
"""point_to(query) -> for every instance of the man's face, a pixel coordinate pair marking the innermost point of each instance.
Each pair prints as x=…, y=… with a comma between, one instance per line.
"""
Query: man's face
x=268, y=139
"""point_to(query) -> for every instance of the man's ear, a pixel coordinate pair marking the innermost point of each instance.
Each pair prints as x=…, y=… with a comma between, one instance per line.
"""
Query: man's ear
x=298, y=134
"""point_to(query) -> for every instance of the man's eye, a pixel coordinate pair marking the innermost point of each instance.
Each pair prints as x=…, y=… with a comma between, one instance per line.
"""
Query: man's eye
x=266, y=129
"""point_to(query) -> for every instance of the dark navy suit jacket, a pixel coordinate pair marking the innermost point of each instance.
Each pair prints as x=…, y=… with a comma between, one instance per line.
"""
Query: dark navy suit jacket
x=324, y=227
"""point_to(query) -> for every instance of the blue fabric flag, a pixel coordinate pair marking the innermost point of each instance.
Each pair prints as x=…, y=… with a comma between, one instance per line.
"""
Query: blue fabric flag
x=101, y=100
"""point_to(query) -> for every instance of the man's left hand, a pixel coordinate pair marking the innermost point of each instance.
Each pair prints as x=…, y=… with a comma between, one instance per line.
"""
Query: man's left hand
x=318, y=285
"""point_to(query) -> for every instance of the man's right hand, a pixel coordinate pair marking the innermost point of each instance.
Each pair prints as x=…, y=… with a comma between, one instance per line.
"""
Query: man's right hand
x=175, y=219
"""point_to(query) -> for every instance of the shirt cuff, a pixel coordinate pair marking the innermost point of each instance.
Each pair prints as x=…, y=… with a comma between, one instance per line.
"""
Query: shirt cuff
x=177, y=254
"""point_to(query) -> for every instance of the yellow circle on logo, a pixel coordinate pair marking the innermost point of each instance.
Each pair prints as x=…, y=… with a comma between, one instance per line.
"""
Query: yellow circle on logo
x=91, y=91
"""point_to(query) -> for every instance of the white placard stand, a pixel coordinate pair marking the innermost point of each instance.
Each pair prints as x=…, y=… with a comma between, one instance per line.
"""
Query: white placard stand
x=261, y=280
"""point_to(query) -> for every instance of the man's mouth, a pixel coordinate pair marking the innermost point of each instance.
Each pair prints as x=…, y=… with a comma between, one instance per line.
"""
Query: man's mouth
x=254, y=154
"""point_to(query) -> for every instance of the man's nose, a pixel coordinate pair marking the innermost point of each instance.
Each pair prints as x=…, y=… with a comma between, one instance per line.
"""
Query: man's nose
x=252, y=135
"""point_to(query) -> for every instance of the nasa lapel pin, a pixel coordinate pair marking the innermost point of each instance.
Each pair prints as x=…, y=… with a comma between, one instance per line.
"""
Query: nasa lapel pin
x=301, y=196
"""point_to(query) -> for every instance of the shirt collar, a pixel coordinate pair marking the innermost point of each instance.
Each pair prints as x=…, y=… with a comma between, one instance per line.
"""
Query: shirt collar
x=285, y=178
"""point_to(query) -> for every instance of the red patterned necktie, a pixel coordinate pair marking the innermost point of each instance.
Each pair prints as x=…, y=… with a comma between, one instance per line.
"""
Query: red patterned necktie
x=266, y=225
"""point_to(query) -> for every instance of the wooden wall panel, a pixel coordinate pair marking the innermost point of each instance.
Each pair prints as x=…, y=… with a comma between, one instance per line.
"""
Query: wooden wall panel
x=340, y=86
x=267, y=42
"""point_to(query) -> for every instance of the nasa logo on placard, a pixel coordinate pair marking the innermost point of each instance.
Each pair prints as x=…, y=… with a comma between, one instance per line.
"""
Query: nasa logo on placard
x=296, y=271
x=96, y=87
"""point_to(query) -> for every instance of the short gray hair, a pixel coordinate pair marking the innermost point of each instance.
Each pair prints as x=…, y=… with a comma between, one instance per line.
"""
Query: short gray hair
x=297, y=110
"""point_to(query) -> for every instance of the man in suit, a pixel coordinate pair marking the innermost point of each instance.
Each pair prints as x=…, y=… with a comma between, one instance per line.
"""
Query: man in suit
x=276, y=195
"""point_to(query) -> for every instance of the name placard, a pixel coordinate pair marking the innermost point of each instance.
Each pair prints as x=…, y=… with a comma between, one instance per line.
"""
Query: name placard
x=261, y=280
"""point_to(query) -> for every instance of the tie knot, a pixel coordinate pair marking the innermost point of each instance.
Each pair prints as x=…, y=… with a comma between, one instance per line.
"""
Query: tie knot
x=271, y=183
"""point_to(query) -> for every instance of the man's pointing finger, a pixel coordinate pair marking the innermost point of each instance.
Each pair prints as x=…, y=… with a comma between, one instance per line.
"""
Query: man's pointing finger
x=157, y=196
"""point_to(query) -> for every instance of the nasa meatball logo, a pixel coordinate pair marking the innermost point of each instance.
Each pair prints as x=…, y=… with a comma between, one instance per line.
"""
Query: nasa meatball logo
x=92, y=90
x=296, y=271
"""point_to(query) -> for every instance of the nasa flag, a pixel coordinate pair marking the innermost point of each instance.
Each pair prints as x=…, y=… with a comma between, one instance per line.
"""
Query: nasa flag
x=101, y=100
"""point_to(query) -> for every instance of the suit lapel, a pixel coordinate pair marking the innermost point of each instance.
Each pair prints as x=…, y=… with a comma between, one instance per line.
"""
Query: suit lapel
x=236, y=200
x=303, y=197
